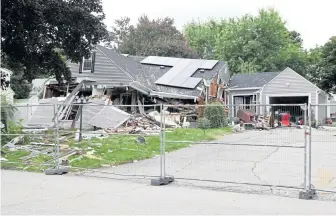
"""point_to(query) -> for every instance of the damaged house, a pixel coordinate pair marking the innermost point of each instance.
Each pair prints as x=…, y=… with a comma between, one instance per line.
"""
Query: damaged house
x=108, y=77
x=125, y=77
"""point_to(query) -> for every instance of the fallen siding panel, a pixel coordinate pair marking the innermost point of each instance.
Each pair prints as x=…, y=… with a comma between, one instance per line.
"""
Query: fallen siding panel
x=109, y=117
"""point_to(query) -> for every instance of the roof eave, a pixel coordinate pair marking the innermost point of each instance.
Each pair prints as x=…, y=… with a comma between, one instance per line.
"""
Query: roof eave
x=143, y=89
x=242, y=89
x=171, y=95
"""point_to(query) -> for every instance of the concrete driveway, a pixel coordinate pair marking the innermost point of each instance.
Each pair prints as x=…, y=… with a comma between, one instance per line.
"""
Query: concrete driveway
x=25, y=193
x=278, y=162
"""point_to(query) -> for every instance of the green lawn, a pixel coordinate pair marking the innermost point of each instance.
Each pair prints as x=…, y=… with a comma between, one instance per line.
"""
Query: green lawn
x=119, y=149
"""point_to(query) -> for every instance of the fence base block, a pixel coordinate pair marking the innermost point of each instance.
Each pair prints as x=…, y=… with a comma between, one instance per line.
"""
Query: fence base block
x=162, y=181
x=307, y=194
x=56, y=171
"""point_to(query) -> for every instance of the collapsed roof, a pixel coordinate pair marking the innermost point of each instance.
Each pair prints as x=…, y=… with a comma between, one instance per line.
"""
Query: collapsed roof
x=153, y=75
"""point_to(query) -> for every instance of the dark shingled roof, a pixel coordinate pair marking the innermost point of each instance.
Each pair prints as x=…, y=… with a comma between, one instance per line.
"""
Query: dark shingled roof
x=147, y=74
x=252, y=80
x=151, y=73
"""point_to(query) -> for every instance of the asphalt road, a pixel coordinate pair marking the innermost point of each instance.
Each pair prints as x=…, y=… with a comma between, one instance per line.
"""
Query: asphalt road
x=37, y=194
x=274, y=157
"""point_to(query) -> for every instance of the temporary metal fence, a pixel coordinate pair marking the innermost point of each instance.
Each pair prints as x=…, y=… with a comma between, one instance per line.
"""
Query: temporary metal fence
x=84, y=137
x=322, y=148
x=289, y=147
x=28, y=148
x=259, y=156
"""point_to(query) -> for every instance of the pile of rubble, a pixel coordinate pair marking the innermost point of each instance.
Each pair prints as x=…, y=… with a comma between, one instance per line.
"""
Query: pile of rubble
x=250, y=120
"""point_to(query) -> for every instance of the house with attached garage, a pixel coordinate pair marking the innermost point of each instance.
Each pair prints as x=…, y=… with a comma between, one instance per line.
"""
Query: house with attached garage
x=283, y=87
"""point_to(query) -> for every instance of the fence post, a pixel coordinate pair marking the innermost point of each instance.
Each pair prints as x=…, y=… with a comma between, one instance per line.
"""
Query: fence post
x=313, y=192
x=305, y=147
x=57, y=170
x=161, y=141
x=163, y=179
x=307, y=192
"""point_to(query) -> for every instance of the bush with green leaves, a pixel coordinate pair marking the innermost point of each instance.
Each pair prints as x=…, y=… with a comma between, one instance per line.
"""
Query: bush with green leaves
x=203, y=123
x=215, y=113
x=21, y=87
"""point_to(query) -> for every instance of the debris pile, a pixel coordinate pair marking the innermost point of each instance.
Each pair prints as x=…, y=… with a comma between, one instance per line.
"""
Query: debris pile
x=251, y=120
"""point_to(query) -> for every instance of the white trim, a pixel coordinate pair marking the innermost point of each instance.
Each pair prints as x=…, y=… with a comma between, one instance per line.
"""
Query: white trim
x=232, y=103
x=289, y=95
x=261, y=97
x=317, y=107
x=244, y=94
x=242, y=89
x=169, y=95
x=238, y=95
x=90, y=59
x=307, y=81
x=288, y=68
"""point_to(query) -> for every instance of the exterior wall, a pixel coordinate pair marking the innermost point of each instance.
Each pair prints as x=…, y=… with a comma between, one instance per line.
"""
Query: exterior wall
x=239, y=92
x=289, y=82
x=322, y=110
x=233, y=93
x=331, y=109
x=105, y=72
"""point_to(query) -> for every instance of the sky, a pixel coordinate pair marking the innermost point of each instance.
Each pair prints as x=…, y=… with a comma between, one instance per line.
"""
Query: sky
x=315, y=20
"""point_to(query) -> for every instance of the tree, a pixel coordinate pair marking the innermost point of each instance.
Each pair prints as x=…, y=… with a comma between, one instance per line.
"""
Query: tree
x=202, y=37
x=151, y=37
x=250, y=43
x=203, y=123
x=327, y=66
x=296, y=37
x=119, y=32
x=33, y=32
x=21, y=87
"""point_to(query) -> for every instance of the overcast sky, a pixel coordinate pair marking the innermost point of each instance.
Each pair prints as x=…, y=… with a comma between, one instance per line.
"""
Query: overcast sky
x=315, y=20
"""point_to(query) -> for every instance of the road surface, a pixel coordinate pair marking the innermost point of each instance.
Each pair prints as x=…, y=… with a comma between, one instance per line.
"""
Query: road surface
x=37, y=194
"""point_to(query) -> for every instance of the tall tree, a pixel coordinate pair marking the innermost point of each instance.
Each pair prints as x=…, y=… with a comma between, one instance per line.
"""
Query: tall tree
x=202, y=37
x=250, y=43
x=327, y=66
x=33, y=32
x=151, y=37
x=120, y=31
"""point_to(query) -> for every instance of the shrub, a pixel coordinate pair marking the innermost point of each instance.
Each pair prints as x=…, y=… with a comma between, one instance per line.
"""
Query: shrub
x=203, y=123
x=20, y=87
x=216, y=115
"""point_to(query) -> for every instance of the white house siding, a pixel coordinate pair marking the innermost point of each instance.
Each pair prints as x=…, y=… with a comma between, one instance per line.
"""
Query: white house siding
x=233, y=93
x=290, y=83
x=297, y=85
x=322, y=110
x=105, y=72
x=331, y=109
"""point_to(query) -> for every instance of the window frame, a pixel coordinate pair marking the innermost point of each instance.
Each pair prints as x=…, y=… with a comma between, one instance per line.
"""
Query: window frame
x=89, y=59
